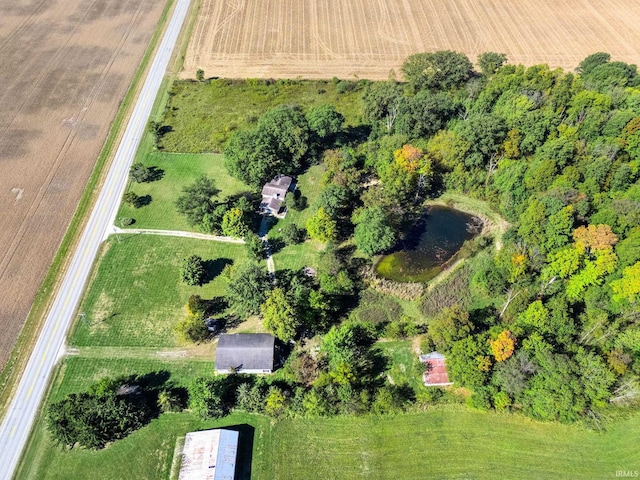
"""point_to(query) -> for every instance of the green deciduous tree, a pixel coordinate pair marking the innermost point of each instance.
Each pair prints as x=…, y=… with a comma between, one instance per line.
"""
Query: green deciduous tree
x=280, y=316
x=192, y=329
x=233, y=223
x=132, y=199
x=140, y=173
x=373, y=232
x=206, y=397
x=196, y=200
x=627, y=289
x=102, y=415
x=247, y=288
x=450, y=325
x=292, y=235
x=325, y=120
x=321, y=226
x=490, y=62
x=438, y=70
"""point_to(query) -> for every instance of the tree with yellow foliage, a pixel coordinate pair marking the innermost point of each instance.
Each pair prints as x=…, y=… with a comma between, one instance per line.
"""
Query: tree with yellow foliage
x=503, y=346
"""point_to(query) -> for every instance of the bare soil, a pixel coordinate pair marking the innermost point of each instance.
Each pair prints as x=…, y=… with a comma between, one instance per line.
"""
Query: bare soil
x=64, y=69
x=370, y=38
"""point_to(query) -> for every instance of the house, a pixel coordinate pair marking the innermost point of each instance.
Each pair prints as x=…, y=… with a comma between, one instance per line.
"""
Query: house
x=245, y=353
x=273, y=195
x=209, y=455
x=436, y=373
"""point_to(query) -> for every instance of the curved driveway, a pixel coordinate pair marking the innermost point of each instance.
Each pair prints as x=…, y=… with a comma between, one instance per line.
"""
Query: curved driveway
x=21, y=414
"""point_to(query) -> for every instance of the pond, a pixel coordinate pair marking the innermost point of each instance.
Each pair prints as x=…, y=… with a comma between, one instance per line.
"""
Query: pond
x=429, y=244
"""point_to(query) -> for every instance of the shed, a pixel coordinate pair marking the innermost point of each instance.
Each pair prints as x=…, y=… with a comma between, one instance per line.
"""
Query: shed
x=245, y=353
x=436, y=374
x=209, y=455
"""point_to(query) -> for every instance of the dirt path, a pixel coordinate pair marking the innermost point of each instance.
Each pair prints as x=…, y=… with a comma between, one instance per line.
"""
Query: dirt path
x=176, y=233
x=202, y=352
x=262, y=233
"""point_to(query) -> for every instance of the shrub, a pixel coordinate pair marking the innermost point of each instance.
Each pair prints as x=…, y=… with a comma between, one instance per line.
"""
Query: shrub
x=193, y=271
x=192, y=329
x=292, y=235
x=126, y=221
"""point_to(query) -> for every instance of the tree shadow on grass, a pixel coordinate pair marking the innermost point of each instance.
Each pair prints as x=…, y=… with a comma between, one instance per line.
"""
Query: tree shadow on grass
x=213, y=268
x=244, y=457
x=142, y=201
x=155, y=174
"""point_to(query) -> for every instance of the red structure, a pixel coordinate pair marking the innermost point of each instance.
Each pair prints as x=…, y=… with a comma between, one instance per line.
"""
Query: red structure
x=436, y=373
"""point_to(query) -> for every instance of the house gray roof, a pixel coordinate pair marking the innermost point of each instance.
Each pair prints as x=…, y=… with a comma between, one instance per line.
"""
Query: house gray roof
x=274, y=192
x=245, y=351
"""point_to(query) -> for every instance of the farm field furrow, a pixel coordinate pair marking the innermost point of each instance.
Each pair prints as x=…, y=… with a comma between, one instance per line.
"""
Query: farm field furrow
x=327, y=38
x=64, y=68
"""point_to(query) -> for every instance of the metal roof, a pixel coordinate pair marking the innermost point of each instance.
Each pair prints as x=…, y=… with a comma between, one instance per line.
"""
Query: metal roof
x=209, y=455
x=245, y=351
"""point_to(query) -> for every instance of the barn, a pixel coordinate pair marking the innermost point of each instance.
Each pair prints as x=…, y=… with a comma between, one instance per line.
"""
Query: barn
x=209, y=455
x=245, y=353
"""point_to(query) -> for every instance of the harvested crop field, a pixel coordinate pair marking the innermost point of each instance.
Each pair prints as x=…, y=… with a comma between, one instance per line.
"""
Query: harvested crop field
x=64, y=68
x=366, y=39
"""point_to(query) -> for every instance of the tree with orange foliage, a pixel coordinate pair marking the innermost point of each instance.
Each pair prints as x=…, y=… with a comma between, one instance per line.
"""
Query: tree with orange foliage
x=503, y=346
x=594, y=237
x=408, y=157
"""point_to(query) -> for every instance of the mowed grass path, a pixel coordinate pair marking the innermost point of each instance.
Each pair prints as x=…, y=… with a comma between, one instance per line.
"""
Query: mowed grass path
x=136, y=297
x=179, y=171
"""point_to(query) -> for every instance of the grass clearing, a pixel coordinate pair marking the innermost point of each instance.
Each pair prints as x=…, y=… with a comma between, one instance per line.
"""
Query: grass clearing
x=136, y=297
x=179, y=171
x=402, y=364
x=448, y=443
x=203, y=115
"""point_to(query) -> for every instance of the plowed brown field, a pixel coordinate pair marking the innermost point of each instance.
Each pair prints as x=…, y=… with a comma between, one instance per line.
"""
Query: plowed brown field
x=368, y=38
x=64, y=68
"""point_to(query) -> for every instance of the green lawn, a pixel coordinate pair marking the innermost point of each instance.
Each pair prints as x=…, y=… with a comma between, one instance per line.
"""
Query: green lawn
x=179, y=171
x=402, y=360
x=136, y=296
x=295, y=257
x=202, y=116
x=449, y=443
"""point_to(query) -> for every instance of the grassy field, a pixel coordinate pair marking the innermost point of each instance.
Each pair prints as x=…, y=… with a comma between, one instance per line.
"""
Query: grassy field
x=449, y=443
x=179, y=171
x=136, y=296
x=202, y=116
